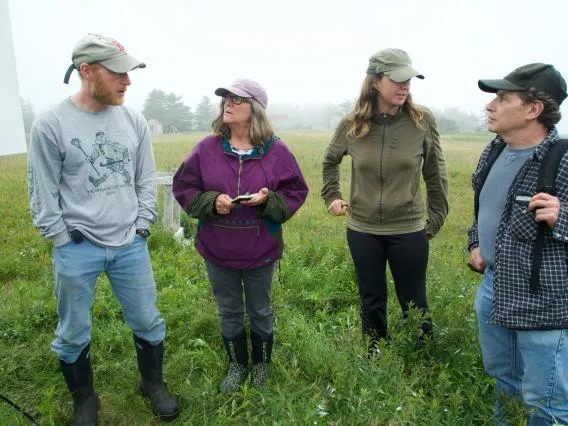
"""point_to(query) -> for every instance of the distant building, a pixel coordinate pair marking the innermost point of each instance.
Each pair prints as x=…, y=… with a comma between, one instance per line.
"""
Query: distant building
x=155, y=126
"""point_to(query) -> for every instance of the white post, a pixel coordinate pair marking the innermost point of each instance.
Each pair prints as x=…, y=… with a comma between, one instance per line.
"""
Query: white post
x=11, y=122
x=170, y=217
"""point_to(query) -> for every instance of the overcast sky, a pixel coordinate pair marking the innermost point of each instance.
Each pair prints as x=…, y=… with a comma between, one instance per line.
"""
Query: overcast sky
x=301, y=51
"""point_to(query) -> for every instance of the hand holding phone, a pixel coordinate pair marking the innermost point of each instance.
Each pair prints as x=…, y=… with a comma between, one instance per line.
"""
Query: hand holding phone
x=243, y=197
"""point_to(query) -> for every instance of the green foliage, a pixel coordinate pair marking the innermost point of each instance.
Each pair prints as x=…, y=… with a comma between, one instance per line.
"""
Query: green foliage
x=320, y=373
x=447, y=125
x=454, y=120
x=169, y=110
x=205, y=113
x=345, y=107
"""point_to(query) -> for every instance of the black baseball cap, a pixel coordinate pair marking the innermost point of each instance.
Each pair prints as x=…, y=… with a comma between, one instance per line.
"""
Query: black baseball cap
x=542, y=77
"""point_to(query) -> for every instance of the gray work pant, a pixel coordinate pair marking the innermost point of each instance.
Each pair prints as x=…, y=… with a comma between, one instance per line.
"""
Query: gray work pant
x=228, y=285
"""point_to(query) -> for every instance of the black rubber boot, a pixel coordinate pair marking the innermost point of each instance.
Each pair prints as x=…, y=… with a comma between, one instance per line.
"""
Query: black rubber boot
x=374, y=339
x=152, y=386
x=79, y=378
x=261, y=355
x=374, y=328
x=426, y=326
x=237, y=352
x=427, y=331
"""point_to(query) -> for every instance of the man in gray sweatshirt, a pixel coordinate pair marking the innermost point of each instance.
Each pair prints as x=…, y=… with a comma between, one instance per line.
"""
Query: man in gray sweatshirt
x=92, y=193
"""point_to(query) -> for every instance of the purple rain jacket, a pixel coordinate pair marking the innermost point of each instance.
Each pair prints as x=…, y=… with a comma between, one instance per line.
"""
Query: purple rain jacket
x=248, y=237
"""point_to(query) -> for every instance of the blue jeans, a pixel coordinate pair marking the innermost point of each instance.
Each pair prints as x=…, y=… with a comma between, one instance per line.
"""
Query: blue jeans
x=528, y=365
x=129, y=270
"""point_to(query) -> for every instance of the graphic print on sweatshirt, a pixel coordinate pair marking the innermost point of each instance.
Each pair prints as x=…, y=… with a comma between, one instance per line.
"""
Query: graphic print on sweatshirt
x=106, y=158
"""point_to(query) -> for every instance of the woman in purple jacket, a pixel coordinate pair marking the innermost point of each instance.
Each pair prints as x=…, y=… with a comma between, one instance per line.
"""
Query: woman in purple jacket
x=241, y=184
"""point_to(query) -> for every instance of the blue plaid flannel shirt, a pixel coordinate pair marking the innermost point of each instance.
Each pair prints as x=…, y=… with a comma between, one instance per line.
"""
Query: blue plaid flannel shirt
x=513, y=305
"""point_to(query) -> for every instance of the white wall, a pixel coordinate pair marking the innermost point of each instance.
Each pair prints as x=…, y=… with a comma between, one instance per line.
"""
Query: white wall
x=12, y=136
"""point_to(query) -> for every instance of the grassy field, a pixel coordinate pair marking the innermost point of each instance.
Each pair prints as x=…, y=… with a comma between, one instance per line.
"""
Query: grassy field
x=320, y=373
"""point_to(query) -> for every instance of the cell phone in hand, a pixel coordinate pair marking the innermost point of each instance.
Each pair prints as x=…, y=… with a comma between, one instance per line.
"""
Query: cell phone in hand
x=244, y=197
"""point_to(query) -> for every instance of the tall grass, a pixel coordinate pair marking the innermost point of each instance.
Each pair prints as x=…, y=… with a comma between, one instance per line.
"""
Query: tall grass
x=320, y=372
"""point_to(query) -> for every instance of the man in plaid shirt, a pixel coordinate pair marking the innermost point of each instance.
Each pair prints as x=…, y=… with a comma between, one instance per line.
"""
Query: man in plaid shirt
x=523, y=330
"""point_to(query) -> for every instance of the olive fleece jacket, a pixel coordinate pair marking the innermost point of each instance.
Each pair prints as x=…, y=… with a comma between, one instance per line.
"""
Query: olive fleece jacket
x=385, y=176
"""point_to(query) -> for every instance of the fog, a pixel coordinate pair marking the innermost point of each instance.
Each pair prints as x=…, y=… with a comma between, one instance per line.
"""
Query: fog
x=302, y=52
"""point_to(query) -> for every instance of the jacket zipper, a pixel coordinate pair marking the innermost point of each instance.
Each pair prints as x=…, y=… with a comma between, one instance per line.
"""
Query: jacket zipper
x=239, y=176
x=385, y=116
x=241, y=161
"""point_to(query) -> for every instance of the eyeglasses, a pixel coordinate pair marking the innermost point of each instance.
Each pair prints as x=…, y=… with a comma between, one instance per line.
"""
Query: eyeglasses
x=237, y=100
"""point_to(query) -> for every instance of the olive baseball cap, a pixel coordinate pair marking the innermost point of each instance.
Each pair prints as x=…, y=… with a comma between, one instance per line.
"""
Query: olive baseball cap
x=394, y=63
x=245, y=88
x=542, y=77
x=98, y=49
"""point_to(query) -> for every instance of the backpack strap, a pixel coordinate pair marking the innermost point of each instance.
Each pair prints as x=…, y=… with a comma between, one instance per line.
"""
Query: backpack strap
x=545, y=183
x=493, y=154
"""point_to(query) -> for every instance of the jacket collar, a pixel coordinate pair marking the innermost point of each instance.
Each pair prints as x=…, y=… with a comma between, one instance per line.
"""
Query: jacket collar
x=257, y=151
x=387, y=118
x=541, y=149
x=547, y=143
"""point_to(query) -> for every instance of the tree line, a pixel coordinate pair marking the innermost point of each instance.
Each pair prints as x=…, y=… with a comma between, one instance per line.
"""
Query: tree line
x=175, y=116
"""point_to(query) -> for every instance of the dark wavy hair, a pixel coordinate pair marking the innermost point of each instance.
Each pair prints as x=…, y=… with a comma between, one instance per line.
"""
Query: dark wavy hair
x=550, y=114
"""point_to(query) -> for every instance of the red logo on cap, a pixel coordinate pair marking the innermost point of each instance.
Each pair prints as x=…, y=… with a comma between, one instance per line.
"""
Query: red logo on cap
x=118, y=45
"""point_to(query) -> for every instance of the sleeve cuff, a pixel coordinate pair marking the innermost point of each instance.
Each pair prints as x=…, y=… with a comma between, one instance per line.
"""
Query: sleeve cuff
x=142, y=223
x=61, y=239
x=331, y=198
x=472, y=246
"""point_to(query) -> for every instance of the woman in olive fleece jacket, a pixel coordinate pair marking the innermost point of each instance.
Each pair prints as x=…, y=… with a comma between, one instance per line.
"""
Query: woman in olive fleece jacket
x=391, y=142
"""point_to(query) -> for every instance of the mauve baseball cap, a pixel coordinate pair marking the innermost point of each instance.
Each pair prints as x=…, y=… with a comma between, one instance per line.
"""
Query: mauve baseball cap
x=98, y=49
x=245, y=88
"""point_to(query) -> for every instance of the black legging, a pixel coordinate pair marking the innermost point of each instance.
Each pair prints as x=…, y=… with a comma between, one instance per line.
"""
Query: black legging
x=407, y=256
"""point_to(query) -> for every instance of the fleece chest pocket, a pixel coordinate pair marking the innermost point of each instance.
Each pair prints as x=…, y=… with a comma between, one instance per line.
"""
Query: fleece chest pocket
x=393, y=143
x=235, y=236
x=523, y=225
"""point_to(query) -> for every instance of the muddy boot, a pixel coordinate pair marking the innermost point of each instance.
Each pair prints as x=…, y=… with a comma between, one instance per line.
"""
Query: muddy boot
x=261, y=355
x=79, y=379
x=238, y=360
x=152, y=386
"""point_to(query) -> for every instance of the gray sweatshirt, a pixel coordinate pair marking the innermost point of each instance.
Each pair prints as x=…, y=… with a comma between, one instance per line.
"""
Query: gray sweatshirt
x=93, y=172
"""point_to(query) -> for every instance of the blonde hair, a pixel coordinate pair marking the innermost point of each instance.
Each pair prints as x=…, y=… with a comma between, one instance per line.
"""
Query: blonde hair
x=260, y=128
x=359, y=120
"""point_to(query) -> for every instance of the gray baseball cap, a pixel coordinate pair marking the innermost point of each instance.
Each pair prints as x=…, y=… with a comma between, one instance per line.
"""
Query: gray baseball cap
x=394, y=63
x=98, y=49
